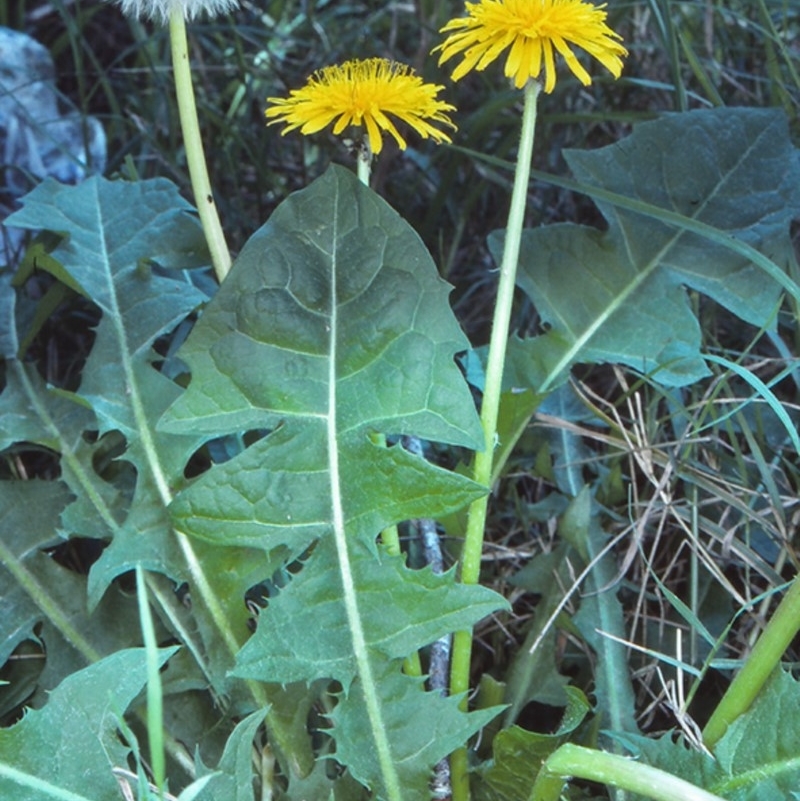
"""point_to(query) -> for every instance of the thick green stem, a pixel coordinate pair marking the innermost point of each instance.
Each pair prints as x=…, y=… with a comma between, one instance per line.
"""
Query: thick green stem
x=764, y=658
x=482, y=472
x=195, y=157
x=573, y=761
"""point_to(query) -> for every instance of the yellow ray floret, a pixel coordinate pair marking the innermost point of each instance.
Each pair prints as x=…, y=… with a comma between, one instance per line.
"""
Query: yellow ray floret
x=364, y=93
x=532, y=29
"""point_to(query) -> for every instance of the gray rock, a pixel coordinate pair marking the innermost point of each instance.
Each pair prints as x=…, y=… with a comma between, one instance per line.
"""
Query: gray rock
x=41, y=134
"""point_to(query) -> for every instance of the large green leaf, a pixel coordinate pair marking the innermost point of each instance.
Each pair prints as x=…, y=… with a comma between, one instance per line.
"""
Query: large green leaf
x=619, y=295
x=760, y=752
x=41, y=599
x=306, y=633
x=114, y=235
x=112, y=231
x=29, y=512
x=312, y=639
x=334, y=299
x=332, y=328
x=118, y=244
x=333, y=331
x=73, y=743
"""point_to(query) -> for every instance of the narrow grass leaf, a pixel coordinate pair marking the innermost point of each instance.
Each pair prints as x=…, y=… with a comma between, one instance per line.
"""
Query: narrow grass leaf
x=764, y=391
x=601, y=613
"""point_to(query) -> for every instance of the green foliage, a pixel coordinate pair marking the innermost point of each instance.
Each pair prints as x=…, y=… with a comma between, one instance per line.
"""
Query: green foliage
x=246, y=449
x=297, y=343
x=117, y=241
x=734, y=170
x=756, y=759
x=422, y=728
x=73, y=742
x=600, y=617
x=333, y=328
x=233, y=781
x=519, y=754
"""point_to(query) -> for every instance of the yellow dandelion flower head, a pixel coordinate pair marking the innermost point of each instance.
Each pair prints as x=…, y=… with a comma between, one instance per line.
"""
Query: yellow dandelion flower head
x=364, y=93
x=532, y=29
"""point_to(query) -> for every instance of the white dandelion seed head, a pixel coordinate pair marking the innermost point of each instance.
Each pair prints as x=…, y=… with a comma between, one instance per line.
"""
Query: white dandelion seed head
x=160, y=10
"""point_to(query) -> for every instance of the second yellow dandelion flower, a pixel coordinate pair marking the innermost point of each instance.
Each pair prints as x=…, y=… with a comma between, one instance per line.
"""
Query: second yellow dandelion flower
x=533, y=30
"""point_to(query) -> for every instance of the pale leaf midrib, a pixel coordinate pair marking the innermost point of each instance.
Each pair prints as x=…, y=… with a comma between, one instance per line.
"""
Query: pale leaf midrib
x=391, y=779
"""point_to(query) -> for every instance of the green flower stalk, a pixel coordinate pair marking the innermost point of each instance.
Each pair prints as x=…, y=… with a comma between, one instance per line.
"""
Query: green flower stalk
x=175, y=13
x=762, y=661
x=575, y=762
x=193, y=143
x=532, y=31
